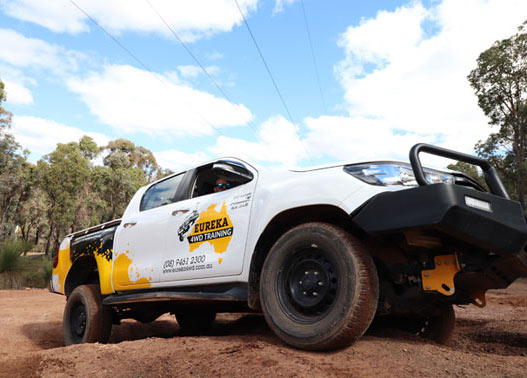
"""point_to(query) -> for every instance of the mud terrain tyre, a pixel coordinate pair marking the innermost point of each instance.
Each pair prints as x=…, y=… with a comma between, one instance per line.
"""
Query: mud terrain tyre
x=195, y=322
x=319, y=287
x=85, y=319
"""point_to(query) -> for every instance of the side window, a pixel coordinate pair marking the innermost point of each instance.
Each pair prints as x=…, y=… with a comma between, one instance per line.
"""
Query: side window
x=220, y=176
x=161, y=194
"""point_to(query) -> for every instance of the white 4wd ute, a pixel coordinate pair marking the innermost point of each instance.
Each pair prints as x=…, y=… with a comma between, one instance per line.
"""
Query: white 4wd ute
x=320, y=252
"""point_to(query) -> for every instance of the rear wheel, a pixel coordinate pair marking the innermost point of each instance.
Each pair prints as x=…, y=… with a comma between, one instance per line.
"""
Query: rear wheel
x=319, y=287
x=85, y=319
x=195, y=322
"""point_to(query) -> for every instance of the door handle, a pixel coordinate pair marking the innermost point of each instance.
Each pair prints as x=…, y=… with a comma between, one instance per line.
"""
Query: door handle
x=129, y=224
x=180, y=211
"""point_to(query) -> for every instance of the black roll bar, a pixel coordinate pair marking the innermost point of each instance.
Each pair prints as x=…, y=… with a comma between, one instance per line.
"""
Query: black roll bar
x=489, y=173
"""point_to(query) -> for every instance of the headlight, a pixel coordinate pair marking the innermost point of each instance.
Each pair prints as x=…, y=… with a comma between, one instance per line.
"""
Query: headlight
x=394, y=174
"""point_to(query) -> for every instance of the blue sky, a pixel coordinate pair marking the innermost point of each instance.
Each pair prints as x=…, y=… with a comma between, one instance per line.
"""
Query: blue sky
x=392, y=73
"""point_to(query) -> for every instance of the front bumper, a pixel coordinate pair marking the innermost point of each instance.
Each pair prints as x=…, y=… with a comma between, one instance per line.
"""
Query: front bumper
x=501, y=230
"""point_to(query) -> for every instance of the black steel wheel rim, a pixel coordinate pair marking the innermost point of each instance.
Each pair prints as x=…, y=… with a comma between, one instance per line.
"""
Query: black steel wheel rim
x=78, y=321
x=308, y=284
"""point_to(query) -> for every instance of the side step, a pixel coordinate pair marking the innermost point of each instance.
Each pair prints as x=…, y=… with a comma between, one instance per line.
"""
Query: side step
x=204, y=294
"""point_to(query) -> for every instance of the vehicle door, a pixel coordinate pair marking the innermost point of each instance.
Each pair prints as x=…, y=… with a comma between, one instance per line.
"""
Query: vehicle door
x=207, y=233
x=139, y=243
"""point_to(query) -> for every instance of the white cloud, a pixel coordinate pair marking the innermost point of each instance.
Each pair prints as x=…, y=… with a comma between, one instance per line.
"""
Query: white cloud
x=278, y=143
x=137, y=101
x=17, y=93
x=407, y=69
x=358, y=139
x=281, y=4
x=41, y=136
x=20, y=51
x=16, y=84
x=178, y=160
x=345, y=139
x=191, y=71
x=214, y=55
x=190, y=19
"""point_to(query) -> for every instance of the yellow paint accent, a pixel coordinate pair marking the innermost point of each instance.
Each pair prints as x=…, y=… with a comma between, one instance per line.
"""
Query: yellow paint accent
x=63, y=267
x=121, y=275
x=105, y=274
x=446, y=267
x=219, y=261
x=211, y=215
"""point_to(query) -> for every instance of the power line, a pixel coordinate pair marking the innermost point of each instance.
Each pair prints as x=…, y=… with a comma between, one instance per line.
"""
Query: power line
x=313, y=56
x=139, y=61
x=270, y=74
x=264, y=62
x=213, y=81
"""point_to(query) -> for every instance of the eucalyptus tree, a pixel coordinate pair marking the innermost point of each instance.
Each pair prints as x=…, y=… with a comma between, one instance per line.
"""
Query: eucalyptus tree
x=500, y=83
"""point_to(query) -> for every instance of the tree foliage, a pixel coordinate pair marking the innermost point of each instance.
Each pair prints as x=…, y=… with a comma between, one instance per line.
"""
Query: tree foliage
x=15, y=172
x=66, y=191
x=500, y=83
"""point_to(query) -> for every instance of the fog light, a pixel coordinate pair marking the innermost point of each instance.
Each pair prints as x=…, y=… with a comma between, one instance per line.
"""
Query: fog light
x=478, y=204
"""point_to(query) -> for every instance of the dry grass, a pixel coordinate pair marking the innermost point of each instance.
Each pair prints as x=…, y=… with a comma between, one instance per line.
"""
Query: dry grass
x=12, y=280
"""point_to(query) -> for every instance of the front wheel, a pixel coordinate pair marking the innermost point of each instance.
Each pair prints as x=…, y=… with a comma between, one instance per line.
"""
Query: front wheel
x=85, y=319
x=319, y=287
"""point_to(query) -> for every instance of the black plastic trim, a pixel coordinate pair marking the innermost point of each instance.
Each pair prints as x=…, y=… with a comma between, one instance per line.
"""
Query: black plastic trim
x=207, y=294
x=442, y=207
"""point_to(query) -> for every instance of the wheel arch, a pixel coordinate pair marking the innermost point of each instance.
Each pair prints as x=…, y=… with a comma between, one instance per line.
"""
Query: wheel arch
x=83, y=271
x=281, y=223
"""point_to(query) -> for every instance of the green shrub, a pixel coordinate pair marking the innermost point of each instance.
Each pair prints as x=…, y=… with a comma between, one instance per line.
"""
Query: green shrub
x=11, y=256
x=12, y=264
x=38, y=271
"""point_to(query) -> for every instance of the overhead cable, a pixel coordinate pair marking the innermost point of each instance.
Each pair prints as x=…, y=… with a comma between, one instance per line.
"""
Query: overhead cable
x=211, y=78
x=270, y=75
x=139, y=61
x=313, y=56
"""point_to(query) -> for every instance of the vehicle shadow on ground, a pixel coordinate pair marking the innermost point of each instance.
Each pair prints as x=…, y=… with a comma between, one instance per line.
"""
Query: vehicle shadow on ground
x=470, y=336
x=494, y=342
x=49, y=335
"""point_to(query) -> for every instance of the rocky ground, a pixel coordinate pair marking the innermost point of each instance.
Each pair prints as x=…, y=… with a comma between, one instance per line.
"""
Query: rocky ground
x=490, y=342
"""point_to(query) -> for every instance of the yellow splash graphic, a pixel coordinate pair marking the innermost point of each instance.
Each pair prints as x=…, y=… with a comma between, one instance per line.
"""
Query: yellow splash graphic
x=121, y=275
x=104, y=266
x=63, y=267
x=212, y=227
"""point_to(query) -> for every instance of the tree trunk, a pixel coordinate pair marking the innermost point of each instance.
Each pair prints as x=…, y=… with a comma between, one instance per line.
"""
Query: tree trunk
x=48, y=241
x=57, y=240
x=37, y=235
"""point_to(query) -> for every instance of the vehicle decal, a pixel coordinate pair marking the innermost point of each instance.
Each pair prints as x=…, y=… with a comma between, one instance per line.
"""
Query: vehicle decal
x=63, y=267
x=213, y=227
x=126, y=274
x=187, y=223
x=99, y=246
x=240, y=201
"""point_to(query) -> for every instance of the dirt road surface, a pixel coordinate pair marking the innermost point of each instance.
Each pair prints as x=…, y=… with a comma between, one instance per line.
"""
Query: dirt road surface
x=490, y=342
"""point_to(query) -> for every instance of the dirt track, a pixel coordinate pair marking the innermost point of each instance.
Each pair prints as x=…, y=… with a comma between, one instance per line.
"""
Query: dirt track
x=487, y=342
